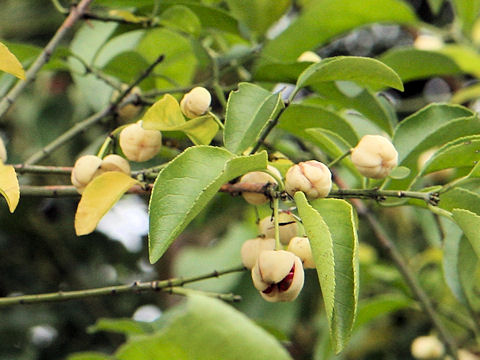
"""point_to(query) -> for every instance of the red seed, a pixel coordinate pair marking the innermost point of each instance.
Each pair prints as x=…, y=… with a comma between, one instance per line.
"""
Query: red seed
x=284, y=285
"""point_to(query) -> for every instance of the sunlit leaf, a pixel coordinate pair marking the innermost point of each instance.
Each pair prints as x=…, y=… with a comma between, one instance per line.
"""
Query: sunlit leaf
x=9, y=63
x=180, y=17
x=186, y=185
x=9, y=187
x=89, y=356
x=469, y=222
x=121, y=326
x=98, y=197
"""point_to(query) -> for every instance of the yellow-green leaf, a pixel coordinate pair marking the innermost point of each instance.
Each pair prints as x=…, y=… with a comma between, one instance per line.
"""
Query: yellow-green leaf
x=98, y=197
x=9, y=187
x=9, y=63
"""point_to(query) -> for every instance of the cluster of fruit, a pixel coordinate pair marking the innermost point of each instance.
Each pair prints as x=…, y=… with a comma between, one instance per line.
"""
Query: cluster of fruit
x=137, y=144
x=277, y=273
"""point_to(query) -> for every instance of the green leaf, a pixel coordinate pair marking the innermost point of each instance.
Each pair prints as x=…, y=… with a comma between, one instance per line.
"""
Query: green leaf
x=363, y=100
x=98, y=197
x=9, y=63
x=466, y=12
x=179, y=17
x=258, y=15
x=469, y=222
x=127, y=74
x=338, y=16
x=186, y=185
x=330, y=226
x=206, y=329
x=297, y=118
x=121, y=326
x=248, y=111
x=412, y=64
x=165, y=115
x=400, y=172
x=364, y=71
x=89, y=356
x=435, y=5
x=460, y=198
x=9, y=187
x=468, y=273
x=373, y=308
x=467, y=57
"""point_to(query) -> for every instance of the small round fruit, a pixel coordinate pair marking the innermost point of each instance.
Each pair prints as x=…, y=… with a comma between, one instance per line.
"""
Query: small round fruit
x=252, y=248
x=427, y=347
x=312, y=177
x=139, y=144
x=84, y=171
x=300, y=246
x=129, y=111
x=115, y=162
x=196, y=102
x=288, y=227
x=278, y=275
x=309, y=56
x=374, y=156
x=3, y=151
x=258, y=177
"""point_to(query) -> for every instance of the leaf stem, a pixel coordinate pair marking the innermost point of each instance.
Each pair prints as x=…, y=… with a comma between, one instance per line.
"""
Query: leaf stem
x=338, y=159
x=170, y=285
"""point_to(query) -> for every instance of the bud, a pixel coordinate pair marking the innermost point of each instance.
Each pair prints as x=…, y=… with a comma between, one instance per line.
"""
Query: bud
x=252, y=248
x=467, y=355
x=428, y=42
x=300, y=246
x=3, y=151
x=258, y=177
x=278, y=275
x=287, y=226
x=139, y=144
x=427, y=347
x=309, y=56
x=374, y=156
x=115, y=162
x=84, y=171
x=312, y=177
x=196, y=102
x=131, y=110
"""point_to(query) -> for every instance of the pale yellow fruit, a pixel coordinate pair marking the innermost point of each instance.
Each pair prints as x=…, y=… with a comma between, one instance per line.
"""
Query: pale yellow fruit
x=115, y=162
x=427, y=347
x=309, y=56
x=84, y=171
x=139, y=144
x=252, y=248
x=300, y=246
x=278, y=275
x=428, y=42
x=3, y=151
x=374, y=156
x=312, y=177
x=258, y=177
x=288, y=227
x=130, y=111
x=196, y=102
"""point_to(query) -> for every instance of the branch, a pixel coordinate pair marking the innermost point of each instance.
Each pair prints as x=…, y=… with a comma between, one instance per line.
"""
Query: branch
x=170, y=285
x=75, y=14
x=270, y=125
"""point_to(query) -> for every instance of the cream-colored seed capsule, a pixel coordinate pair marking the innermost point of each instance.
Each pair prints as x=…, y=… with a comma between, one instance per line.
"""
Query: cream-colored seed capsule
x=139, y=144
x=374, y=156
x=309, y=56
x=258, y=177
x=300, y=246
x=278, y=275
x=252, y=248
x=427, y=347
x=84, y=171
x=196, y=102
x=288, y=227
x=129, y=111
x=3, y=151
x=312, y=177
x=115, y=162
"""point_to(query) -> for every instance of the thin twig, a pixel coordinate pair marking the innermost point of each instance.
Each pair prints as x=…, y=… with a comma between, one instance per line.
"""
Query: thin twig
x=230, y=297
x=268, y=128
x=75, y=14
x=136, y=287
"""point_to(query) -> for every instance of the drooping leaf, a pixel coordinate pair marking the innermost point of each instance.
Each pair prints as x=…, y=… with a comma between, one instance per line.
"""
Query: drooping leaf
x=468, y=274
x=466, y=12
x=248, y=111
x=364, y=71
x=339, y=217
x=98, y=197
x=186, y=185
x=460, y=198
x=9, y=187
x=467, y=57
x=121, y=326
x=297, y=118
x=9, y=63
x=165, y=115
x=329, y=225
x=469, y=222
x=205, y=329
x=180, y=17
x=412, y=64
x=338, y=17
x=258, y=15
